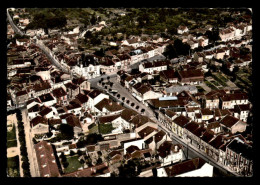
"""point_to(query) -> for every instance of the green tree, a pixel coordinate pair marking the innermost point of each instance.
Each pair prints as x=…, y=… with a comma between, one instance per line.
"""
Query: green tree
x=93, y=19
x=67, y=132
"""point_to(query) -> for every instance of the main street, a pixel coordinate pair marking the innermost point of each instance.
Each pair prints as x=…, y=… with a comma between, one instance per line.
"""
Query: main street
x=124, y=93
x=193, y=152
x=15, y=28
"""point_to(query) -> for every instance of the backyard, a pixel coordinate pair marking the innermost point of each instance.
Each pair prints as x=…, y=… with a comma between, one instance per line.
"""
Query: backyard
x=210, y=85
x=13, y=166
x=93, y=128
x=74, y=164
x=106, y=128
x=11, y=138
x=220, y=79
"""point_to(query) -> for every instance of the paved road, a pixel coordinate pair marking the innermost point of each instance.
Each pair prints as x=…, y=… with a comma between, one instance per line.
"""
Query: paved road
x=124, y=93
x=194, y=152
x=46, y=51
x=15, y=28
x=34, y=169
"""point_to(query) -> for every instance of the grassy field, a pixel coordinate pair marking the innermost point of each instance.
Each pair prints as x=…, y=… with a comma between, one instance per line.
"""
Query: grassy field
x=74, y=164
x=13, y=166
x=11, y=135
x=106, y=128
x=11, y=138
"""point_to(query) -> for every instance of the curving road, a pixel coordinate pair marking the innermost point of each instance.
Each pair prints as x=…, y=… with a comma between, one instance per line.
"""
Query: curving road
x=15, y=28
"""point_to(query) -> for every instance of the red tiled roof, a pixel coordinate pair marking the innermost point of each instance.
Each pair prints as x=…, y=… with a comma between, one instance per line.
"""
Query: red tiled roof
x=46, y=159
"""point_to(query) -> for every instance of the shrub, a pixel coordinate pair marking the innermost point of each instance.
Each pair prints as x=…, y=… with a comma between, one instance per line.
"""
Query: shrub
x=72, y=153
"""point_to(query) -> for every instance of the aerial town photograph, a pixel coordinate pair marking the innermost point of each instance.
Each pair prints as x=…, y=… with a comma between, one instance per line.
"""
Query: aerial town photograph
x=129, y=92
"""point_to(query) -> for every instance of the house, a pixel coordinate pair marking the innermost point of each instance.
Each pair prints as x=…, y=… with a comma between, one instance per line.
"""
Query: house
x=175, y=103
x=116, y=121
x=127, y=116
x=219, y=53
x=189, y=132
x=182, y=29
x=232, y=124
x=49, y=112
x=115, y=156
x=205, y=138
x=72, y=90
x=206, y=114
x=239, y=156
x=86, y=119
x=134, y=144
x=178, y=125
x=39, y=125
x=143, y=92
x=199, y=56
x=209, y=54
x=21, y=97
x=190, y=77
x=216, y=146
x=196, y=167
x=241, y=112
x=168, y=76
x=46, y=160
x=41, y=88
x=169, y=153
x=152, y=67
x=176, y=89
x=73, y=107
x=82, y=83
x=60, y=95
x=106, y=106
x=22, y=42
x=75, y=123
x=159, y=138
x=214, y=127
x=226, y=34
x=212, y=99
x=228, y=101
x=134, y=42
x=193, y=44
x=95, y=96
x=47, y=99
x=147, y=132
